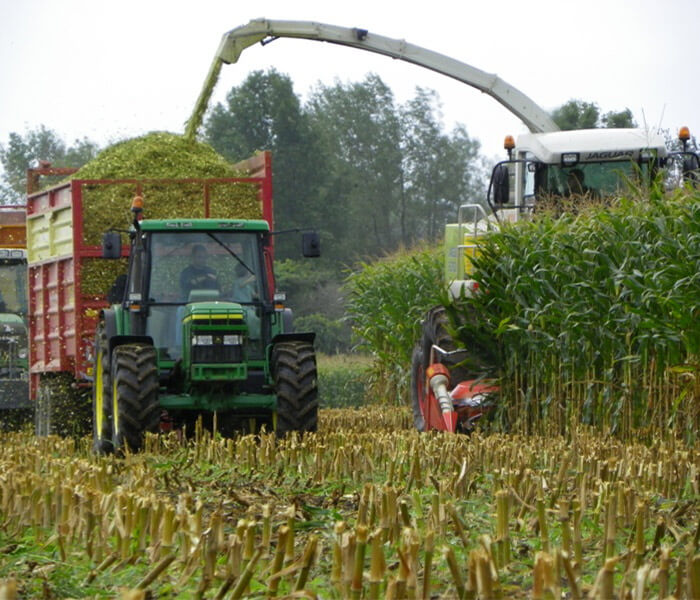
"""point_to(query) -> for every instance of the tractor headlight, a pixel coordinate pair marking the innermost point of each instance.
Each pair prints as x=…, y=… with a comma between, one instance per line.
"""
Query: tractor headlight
x=202, y=340
x=233, y=340
x=22, y=353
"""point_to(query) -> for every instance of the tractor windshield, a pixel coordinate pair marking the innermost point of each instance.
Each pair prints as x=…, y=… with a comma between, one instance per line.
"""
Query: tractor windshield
x=13, y=287
x=597, y=179
x=195, y=266
x=191, y=266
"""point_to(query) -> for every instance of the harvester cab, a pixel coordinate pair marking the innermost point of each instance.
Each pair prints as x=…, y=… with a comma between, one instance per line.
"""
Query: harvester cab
x=198, y=324
x=559, y=170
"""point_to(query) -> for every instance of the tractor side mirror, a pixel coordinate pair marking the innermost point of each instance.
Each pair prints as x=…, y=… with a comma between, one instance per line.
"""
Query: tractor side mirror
x=111, y=245
x=501, y=184
x=311, y=244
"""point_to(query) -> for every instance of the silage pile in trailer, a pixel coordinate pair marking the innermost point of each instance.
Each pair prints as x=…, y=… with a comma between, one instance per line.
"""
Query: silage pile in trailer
x=596, y=317
x=155, y=165
x=166, y=157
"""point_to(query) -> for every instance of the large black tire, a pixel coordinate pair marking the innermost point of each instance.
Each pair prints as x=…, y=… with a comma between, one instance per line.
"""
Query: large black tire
x=102, y=394
x=471, y=362
x=296, y=386
x=61, y=408
x=135, y=406
x=435, y=332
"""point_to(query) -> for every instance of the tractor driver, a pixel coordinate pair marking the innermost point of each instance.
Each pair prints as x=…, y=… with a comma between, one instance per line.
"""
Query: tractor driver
x=198, y=275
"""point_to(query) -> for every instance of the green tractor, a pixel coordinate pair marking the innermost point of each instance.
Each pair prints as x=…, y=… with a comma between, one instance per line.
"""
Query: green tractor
x=14, y=382
x=195, y=330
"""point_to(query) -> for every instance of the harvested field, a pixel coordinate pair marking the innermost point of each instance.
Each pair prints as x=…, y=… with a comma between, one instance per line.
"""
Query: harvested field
x=365, y=508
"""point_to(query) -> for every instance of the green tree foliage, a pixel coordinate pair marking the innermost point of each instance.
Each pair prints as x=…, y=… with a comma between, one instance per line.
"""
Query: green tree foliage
x=24, y=151
x=317, y=298
x=359, y=128
x=577, y=114
x=440, y=171
x=264, y=113
x=622, y=119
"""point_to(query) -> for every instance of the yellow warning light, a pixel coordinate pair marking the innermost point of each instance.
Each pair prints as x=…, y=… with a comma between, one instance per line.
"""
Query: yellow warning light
x=137, y=204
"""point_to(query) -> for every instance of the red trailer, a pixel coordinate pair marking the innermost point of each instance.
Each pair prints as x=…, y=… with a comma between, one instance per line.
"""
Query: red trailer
x=63, y=304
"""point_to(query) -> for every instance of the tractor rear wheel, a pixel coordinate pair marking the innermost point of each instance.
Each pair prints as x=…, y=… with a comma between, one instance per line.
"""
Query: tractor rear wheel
x=294, y=373
x=102, y=394
x=135, y=407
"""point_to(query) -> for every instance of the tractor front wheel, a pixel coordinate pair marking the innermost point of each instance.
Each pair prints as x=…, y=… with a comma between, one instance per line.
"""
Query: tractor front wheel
x=295, y=378
x=135, y=407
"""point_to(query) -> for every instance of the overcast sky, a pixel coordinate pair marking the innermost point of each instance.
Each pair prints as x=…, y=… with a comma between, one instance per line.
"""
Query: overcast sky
x=108, y=70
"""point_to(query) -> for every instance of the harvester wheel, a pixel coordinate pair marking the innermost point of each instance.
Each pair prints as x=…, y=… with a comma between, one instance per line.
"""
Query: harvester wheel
x=435, y=333
x=294, y=373
x=102, y=394
x=417, y=387
x=135, y=406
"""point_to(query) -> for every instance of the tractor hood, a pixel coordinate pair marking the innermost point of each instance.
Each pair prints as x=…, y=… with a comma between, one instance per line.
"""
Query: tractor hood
x=224, y=315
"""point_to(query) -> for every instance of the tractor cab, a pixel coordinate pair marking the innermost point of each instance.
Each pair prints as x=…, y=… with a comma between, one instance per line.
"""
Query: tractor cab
x=14, y=391
x=199, y=290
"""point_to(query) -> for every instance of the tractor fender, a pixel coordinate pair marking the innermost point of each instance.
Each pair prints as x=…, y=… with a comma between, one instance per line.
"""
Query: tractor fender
x=120, y=340
x=294, y=337
x=109, y=317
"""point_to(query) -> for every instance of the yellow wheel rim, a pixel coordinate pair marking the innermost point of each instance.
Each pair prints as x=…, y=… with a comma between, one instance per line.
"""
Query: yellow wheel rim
x=99, y=399
x=115, y=407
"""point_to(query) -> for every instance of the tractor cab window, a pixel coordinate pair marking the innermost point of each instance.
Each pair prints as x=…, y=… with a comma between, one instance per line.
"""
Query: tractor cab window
x=187, y=267
x=13, y=292
x=199, y=266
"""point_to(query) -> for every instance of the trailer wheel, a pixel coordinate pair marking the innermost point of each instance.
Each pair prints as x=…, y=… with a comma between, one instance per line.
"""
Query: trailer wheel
x=135, y=406
x=294, y=373
x=418, y=387
x=102, y=394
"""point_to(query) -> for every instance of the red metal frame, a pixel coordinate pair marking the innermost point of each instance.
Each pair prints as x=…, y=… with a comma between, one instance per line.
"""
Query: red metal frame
x=62, y=320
